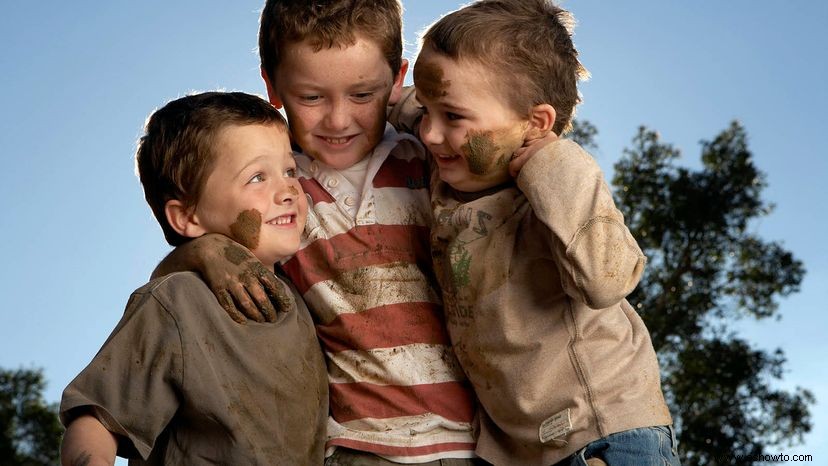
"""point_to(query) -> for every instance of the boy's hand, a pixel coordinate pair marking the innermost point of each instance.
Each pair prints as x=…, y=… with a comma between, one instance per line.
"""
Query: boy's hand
x=242, y=283
x=243, y=286
x=530, y=148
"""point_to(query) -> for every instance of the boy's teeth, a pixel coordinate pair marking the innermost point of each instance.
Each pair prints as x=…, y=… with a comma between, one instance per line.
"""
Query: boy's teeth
x=337, y=140
x=285, y=219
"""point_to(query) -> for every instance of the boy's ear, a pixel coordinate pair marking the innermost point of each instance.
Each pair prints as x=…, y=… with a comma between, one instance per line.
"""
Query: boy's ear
x=271, y=93
x=183, y=219
x=541, y=121
x=396, y=89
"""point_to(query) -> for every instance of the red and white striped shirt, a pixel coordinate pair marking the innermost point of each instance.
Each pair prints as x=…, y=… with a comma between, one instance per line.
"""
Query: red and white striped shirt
x=364, y=269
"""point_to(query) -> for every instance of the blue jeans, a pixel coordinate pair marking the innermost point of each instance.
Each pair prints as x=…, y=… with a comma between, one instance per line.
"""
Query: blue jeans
x=647, y=446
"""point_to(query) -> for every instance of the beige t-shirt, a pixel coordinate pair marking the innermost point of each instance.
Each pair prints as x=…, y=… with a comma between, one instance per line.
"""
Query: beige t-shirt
x=181, y=383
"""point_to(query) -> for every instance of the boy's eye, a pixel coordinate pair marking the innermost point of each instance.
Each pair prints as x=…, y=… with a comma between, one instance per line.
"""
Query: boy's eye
x=453, y=116
x=363, y=96
x=309, y=98
x=290, y=173
x=257, y=178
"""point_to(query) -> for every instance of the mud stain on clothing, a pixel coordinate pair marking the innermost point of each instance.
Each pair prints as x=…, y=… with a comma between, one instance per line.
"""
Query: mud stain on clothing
x=428, y=77
x=246, y=228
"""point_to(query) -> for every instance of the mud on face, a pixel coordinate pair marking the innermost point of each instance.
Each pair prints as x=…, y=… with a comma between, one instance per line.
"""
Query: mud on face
x=428, y=77
x=483, y=153
x=245, y=230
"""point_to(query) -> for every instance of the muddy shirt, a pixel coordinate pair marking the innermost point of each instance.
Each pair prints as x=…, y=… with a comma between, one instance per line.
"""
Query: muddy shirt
x=181, y=383
x=364, y=268
x=534, y=278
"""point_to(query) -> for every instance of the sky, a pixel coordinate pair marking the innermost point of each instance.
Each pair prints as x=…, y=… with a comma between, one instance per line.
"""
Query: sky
x=79, y=79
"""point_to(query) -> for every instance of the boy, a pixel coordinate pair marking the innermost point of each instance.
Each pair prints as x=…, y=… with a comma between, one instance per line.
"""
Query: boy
x=363, y=267
x=177, y=382
x=535, y=269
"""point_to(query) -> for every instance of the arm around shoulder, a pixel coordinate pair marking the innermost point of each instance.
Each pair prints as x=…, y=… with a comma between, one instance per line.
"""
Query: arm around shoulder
x=405, y=115
x=244, y=286
x=88, y=443
x=597, y=256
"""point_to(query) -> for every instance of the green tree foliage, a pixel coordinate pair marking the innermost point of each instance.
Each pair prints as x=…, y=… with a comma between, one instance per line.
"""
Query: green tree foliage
x=706, y=268
x=31, y=429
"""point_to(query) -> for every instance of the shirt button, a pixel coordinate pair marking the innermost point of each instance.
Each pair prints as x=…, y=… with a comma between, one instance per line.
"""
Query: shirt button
x=332, y=183
x=350, y=201
x=314, y=167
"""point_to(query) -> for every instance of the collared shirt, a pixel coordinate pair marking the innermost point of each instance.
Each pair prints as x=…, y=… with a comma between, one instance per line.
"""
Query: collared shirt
x=364, y=268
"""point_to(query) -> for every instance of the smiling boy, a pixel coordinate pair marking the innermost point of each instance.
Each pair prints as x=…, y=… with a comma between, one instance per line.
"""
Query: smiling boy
x=534, y=269
x=363, y=266
x=177, y=382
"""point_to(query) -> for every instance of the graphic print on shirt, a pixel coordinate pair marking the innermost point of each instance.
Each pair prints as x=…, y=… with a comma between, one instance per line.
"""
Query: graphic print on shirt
x=472, y=225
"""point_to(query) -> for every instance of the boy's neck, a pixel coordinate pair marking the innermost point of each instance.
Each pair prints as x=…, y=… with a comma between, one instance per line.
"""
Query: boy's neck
x=466, y=196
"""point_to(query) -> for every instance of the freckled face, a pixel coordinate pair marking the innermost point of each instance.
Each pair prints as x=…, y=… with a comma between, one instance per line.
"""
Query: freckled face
x=468, y=127
x=252, y=194
x=335, y=99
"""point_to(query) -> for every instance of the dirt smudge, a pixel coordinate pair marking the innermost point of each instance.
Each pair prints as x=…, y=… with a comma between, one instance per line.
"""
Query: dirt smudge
x=293, y=190
x=246, y=228
x=428, y=77
x=235, y=254
x=481, y=152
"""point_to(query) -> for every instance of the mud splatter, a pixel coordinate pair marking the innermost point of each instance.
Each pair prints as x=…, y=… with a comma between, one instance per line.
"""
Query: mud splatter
x=246, y=228
x=235, y=254
x=481, y=151
x=293, y=190
x=428, y=77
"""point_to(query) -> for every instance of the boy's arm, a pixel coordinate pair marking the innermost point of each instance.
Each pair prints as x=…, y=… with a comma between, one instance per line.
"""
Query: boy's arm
x=237, y=278
x=88, y=443
x=599, y=260
x=406, y=114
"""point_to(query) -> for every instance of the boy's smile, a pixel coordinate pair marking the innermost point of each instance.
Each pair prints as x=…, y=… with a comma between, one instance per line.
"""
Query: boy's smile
x=252, y=194
x=467, y=126
x=335, y=98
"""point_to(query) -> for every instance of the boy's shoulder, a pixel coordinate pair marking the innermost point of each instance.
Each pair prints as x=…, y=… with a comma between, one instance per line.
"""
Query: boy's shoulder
x=172, y=284
x=406, y=114
x=179, y=293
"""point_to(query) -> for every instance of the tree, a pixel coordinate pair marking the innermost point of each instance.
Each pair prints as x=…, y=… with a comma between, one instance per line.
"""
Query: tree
x=31, y=429
x=705, y=268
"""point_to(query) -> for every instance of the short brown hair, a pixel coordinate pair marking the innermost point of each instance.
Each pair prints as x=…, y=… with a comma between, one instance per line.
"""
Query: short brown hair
x=175, y=156
x=329, y=23
x=529, y=45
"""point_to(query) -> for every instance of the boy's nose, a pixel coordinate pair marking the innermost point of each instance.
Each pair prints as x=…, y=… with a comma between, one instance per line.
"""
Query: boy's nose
x=338, y=117
x=286, y=193
x=429, y=133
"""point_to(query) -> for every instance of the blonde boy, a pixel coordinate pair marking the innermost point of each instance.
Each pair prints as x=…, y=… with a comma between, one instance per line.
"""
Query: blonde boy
x=535, y=268
x=177, y=382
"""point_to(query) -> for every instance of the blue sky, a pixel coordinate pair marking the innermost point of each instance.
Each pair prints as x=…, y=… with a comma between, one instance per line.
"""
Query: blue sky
x=78, y=79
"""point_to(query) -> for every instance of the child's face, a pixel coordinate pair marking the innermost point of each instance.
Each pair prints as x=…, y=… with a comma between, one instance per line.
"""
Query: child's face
x=252, y=194
x=468, y=127
x=335, y=99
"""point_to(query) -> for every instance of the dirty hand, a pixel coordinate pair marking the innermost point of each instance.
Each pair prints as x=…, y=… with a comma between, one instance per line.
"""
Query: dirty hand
x=239, y=280
x=244, y=287
x=530, y=148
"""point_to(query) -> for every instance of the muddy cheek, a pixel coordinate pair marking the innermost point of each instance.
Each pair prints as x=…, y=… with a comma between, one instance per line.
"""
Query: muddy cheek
x=293, y=190
x=481, y=152
x=246, y=228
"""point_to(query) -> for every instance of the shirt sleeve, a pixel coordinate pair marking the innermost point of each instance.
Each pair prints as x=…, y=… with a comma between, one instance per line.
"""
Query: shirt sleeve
x=406, y=114
x=599, y=260
x=131, y=384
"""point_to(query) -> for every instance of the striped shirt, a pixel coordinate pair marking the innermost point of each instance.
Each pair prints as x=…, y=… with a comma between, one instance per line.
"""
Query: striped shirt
x=364, y=269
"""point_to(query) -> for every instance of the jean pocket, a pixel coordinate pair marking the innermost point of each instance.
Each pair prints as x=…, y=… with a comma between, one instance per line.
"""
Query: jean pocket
x=669, y=444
